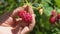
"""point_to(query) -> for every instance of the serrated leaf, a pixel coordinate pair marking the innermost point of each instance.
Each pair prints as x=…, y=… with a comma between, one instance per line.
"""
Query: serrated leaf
x=45, y=4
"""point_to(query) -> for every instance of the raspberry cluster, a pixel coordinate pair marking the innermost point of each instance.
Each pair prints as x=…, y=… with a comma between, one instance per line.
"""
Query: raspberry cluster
x=53, y=17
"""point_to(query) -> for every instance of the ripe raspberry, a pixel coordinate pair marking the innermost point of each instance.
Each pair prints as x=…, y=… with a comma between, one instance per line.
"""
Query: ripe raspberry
x=26, y=17
x=52, y=20
x=58, y=16
x=21, y=13
x=53, y=13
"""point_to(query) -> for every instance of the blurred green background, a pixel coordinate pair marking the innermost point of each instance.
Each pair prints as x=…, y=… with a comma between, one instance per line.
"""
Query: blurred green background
x=43, y=25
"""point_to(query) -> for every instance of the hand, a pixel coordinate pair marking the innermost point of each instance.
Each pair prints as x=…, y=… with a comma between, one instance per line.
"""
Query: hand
x=11, y=25
x=23, y=29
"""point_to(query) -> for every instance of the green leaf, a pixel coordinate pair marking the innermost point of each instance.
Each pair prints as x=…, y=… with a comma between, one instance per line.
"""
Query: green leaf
x=47, y=11
x=58, y=10
x=57, y=3
x=49, y=1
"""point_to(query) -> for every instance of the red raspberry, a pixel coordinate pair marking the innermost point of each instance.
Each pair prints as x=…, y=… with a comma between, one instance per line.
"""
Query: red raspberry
x=53, y=13
x=26, y=17
x=21, y=13
x=52, y=20
x=58, y=16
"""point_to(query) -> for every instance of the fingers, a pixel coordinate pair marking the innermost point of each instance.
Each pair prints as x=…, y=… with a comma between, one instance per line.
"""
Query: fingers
x=31, y=26
x=20, y=29
x=25, y=30
x=18, y=20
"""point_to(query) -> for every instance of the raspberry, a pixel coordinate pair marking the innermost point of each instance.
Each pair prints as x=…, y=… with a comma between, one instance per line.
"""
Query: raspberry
x=53, y=13
x=58, y=16
x=52, y=20
x=26, y=17
x=21, y=13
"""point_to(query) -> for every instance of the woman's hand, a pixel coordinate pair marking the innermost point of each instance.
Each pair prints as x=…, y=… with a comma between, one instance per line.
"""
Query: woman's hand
x=11, y=25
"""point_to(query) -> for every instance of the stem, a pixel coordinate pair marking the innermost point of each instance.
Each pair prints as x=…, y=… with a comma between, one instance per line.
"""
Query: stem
x=34, y=7
x=26, y=1
x=30, y=4
x=35, y=1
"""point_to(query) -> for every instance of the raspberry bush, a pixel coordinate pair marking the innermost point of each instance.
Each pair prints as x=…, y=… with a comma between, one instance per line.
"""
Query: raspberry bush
x=47, y=14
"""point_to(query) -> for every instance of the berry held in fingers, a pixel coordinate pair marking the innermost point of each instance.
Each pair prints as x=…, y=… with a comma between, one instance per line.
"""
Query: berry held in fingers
x=26, y=17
